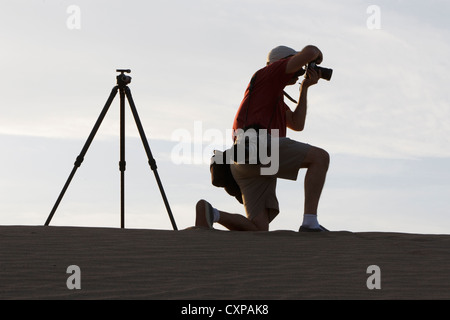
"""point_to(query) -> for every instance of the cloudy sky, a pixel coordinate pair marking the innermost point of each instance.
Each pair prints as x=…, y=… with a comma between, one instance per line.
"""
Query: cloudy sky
x=384, y=117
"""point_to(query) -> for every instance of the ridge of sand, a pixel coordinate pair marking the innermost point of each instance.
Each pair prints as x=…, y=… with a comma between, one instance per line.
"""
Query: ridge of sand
x=211, y=264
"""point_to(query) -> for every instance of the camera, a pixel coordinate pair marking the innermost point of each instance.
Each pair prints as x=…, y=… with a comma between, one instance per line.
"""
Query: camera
x=324, y=73
x=122, y=79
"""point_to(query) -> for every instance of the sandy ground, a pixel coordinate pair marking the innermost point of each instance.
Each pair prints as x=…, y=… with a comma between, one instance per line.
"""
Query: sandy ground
x=211, y=264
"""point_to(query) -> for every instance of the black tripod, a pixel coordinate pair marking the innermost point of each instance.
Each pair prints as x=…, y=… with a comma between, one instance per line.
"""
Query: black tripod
x=122, y=82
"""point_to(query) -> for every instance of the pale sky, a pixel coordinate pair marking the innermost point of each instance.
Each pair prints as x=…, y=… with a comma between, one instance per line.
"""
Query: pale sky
x=384, y=117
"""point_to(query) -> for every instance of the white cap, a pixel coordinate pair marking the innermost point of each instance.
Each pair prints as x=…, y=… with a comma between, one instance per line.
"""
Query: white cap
x=279, y=53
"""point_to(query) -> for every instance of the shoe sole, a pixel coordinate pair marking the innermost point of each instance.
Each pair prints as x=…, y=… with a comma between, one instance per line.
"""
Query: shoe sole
x=204, y=214
x=305, y=229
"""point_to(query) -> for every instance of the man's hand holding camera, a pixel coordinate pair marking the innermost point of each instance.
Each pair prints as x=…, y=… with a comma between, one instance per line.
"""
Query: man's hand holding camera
x=311, y=78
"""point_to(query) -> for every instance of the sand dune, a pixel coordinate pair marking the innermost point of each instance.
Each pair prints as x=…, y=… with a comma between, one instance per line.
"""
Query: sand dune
x=211, y=264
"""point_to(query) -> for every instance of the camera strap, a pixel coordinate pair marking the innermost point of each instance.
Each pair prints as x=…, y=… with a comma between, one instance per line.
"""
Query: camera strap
x=289, y=97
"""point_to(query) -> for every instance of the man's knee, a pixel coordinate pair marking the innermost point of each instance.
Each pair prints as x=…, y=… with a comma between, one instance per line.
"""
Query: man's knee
x=324, y=157
x=261, y=221
x=317, y=156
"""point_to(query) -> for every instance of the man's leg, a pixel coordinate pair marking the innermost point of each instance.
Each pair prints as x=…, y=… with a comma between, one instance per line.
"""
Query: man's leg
x=316, y=161
x=238, y=222
x=232, y=221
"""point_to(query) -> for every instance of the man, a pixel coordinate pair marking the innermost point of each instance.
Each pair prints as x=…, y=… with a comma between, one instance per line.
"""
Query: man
x=266, y=91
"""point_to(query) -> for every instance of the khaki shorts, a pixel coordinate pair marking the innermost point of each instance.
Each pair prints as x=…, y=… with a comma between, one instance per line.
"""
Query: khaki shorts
x=258, y=191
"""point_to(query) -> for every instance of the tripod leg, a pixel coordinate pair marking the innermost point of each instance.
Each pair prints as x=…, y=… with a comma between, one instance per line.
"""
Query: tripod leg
x=151, y=160
x=80, y=158
x=122, y=163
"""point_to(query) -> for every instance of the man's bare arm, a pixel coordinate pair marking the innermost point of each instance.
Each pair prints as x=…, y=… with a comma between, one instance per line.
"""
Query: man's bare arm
x=296, y=120
x=308, y=54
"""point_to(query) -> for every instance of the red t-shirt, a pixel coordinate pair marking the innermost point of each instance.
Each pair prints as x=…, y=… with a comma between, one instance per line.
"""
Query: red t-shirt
x=266, y=99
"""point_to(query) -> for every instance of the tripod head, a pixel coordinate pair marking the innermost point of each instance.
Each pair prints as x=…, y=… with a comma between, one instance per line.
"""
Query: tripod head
x=122, y=79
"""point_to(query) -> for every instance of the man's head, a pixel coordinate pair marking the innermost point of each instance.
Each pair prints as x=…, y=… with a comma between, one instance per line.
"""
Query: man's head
x=279, y=53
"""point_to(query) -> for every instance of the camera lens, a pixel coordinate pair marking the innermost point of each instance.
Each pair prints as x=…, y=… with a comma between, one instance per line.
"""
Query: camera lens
x=325, y=73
